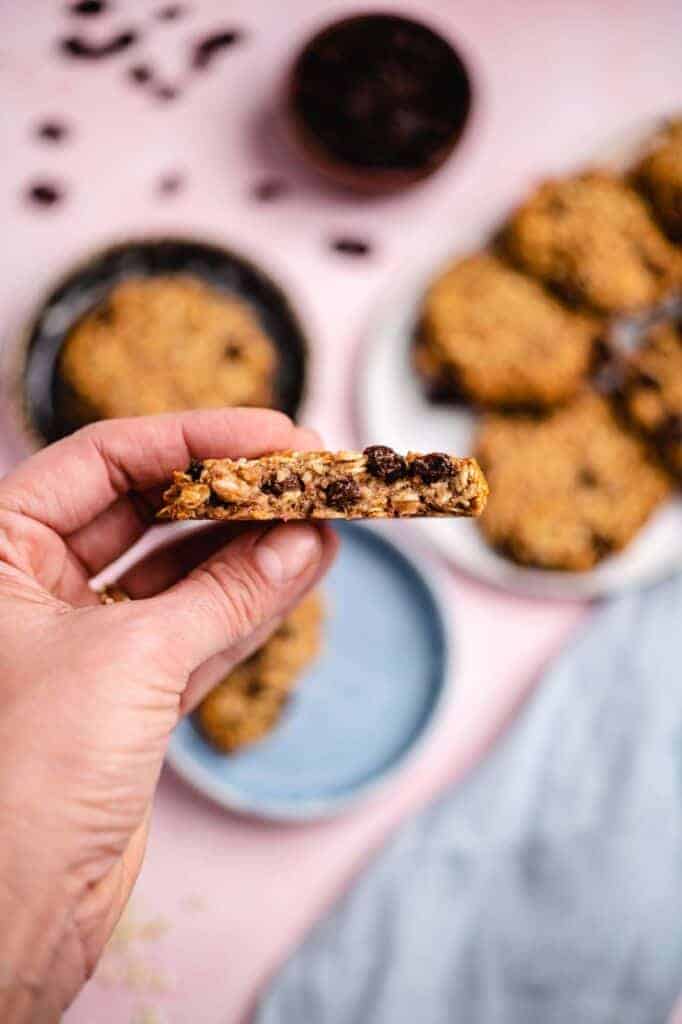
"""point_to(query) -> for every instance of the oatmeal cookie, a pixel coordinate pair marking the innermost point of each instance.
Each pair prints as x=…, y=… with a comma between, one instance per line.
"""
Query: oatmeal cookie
x=659, y=177
x=569, y=489
x=375, y=483
x=248, y=703
x=497, y=337
x=651, y=391
x=591, y=237
x=160, y=344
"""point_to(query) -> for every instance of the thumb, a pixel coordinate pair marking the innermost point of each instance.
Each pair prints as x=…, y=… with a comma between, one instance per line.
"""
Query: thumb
x=253, y=579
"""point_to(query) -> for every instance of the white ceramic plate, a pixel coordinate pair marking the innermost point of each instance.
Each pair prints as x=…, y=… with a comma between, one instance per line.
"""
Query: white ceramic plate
x=393, y=410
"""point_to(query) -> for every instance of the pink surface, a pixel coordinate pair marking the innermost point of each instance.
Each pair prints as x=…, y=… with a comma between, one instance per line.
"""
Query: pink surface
x=555, y=81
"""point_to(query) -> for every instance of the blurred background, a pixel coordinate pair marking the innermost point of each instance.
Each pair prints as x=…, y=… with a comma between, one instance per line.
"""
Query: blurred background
x=138, y=119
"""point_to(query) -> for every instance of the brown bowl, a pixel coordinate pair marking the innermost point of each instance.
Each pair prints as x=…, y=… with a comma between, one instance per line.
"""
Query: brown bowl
x=377, y=102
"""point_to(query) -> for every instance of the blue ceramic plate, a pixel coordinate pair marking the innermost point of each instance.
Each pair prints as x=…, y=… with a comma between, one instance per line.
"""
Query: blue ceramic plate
x=364, y=705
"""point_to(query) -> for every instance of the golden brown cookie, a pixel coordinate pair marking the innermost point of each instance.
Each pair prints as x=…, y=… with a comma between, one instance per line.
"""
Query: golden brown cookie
x=248, y=703
x=497, y=337
x=372, y=484
x=159, y=344
x=591, y=237
x=652, y=391
x=566, y=490
x=659, y=176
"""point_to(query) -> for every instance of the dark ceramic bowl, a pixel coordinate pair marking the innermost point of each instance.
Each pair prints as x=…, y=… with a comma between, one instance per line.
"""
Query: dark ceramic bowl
x=35, y=385
x=377, y=102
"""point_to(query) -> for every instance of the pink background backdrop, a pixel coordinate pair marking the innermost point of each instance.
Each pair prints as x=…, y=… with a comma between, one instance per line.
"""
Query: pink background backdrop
x=554, y=82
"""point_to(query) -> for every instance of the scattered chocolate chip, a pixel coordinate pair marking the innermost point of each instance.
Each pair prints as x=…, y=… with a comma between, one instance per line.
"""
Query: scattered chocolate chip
x=52, y=131
x=170, y=184
x=88, y=8
x=140, y=73
x=351, y=246
x=255, y=689
x=206, y=49
x=75, y=46
x=44, y=193
x=432, y=468
x=276, y=487
x=587, y=477
x=384, y=463
x=269, y=189
x=171, y=12
x=232, y=351
x=341, y=493
x=194, y=470
x=166, y=93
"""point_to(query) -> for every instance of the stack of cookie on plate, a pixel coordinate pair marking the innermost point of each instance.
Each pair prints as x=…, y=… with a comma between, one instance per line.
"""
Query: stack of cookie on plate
x=581, y=434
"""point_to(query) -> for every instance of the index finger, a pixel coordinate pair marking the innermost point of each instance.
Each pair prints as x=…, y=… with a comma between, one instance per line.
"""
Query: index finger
x=67, y=484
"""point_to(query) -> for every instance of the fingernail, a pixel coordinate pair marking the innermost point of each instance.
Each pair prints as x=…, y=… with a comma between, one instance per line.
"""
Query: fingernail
x=286, y=551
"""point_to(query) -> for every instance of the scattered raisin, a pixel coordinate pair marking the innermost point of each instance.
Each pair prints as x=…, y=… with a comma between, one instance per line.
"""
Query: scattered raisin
x=74, y=46
x=169, y=184
x=351, y=246
x=140, y=73
x=44, y=193
x=206, y=49
x=269, y=189
x=432, y=468
x=341, y=493
x=166, y=93
x=194, y=470
x=276, y=487
x=88, y=8
x=171, y=12
x=52, y=131
x=384, y=463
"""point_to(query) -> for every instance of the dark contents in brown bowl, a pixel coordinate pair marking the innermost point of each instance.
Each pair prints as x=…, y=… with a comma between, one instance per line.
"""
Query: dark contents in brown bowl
x=46, y=398
x=379, y=100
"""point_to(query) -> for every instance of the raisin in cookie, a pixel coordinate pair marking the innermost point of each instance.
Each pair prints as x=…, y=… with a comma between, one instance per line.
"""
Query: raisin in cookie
x=497, y=337
x=160, y=344
x=659, y=176
x=651, y=391
x=566, y=490
x=376, y=483
x=248, y=703
x=591, y=237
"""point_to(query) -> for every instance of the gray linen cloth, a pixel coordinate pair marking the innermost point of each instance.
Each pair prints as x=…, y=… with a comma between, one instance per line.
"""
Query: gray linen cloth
x=547, y=887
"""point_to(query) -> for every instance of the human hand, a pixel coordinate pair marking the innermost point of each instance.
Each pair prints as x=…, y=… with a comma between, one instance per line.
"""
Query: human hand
x=89, y=694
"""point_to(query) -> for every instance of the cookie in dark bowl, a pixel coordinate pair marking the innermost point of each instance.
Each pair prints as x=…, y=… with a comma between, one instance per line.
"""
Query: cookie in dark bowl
x=157, y=325
x=378, y=101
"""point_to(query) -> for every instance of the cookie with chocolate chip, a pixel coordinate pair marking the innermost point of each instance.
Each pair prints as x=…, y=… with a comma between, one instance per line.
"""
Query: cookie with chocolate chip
x=659, y=177
x=651, y=391
x=592, y=238
x=249, y=702
x=159, y=344
x=568, y=489
x=376, y=483
x=496, y=337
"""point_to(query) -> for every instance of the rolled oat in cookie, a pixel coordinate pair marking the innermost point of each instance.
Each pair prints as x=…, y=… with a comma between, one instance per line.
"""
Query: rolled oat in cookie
x=376, y=483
